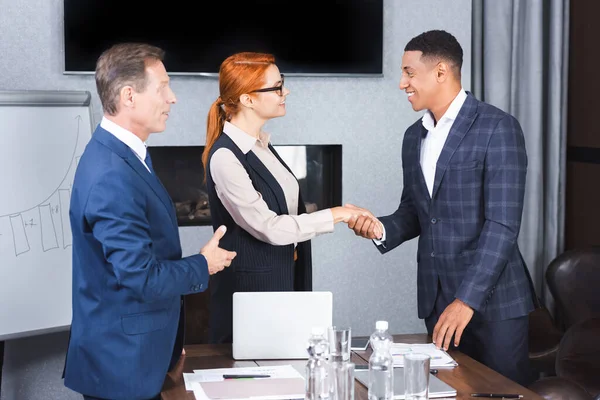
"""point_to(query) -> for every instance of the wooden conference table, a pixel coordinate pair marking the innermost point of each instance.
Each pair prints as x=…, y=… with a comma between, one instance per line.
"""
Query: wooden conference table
x=468, y=377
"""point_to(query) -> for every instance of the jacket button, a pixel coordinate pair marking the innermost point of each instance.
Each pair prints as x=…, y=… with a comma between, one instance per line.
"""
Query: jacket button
x=432, y=254
x=434, y=221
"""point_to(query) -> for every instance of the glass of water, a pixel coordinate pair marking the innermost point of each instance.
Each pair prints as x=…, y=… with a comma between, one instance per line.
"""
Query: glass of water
x=342, y=379
x=339, y=343
x=416, y=376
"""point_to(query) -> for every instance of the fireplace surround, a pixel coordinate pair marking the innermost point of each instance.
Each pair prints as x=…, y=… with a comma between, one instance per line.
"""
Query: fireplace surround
x=318, y=169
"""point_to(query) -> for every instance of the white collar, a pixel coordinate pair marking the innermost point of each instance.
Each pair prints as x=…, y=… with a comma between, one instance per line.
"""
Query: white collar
x=125, y=136
x=244, y=140
x=450, y=114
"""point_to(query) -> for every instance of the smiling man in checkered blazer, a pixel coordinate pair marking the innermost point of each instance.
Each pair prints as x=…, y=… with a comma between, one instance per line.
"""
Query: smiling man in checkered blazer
x=464, y=168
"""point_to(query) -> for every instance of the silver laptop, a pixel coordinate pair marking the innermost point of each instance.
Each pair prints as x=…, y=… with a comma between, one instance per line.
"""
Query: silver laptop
x=437, y=387
x=277, y=325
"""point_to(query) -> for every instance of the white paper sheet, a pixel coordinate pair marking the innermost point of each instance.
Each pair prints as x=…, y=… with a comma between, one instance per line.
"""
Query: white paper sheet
x=439, y=358
x=275, y=371
x=193, y=380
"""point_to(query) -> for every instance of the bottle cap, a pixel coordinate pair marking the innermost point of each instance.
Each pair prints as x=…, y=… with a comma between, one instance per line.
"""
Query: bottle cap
x=381, y=325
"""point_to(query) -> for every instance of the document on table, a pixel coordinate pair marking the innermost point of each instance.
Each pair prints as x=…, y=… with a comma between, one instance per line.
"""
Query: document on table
x=439, y=358
x=283, y=382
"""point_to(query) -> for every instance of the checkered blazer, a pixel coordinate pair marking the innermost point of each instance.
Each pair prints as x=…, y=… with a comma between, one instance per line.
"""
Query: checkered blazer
x=468, y=227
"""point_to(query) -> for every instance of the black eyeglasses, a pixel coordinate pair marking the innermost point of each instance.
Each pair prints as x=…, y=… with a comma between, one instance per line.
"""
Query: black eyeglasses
x=278, y=89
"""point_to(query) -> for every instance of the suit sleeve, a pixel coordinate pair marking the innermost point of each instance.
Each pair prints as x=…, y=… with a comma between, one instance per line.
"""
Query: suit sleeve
x=504, y=192
x=116, y=215
x=403, y=224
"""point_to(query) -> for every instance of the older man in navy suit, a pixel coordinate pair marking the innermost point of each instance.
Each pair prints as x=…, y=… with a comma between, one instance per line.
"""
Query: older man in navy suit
x=128, y=272
x=464, y=166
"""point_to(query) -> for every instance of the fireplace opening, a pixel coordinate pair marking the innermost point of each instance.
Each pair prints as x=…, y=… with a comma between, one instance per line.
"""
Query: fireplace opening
x=318, y=169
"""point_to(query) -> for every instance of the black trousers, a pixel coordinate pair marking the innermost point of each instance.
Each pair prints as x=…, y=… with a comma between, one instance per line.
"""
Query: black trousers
x=500, y=345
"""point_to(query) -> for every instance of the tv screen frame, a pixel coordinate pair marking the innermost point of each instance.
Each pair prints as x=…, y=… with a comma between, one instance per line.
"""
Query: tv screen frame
x=308, y=38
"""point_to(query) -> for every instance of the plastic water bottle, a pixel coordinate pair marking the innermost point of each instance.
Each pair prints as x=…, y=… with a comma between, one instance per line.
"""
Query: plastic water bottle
x=381, y=364
x=318, y=381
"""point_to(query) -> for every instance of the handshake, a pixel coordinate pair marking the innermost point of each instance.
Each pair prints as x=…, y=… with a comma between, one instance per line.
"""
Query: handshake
x=360, y=220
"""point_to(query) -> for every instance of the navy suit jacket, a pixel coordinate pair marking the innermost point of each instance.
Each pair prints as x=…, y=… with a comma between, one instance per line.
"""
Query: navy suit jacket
x=468, y=227
x=128, y=276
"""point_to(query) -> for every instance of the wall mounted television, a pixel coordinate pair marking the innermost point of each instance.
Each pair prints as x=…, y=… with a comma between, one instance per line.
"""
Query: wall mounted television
x=307, y=37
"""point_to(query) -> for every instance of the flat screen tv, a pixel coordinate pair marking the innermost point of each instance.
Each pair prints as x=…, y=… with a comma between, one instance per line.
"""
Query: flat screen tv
x=307, y=37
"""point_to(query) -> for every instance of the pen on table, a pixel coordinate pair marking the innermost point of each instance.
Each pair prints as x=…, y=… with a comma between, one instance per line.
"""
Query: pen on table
x=245, y=376
x=498, y=395
x=432, y=371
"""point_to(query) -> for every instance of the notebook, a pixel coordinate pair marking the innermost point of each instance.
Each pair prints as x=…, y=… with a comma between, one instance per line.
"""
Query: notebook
x=437, y=387
x=277, y=325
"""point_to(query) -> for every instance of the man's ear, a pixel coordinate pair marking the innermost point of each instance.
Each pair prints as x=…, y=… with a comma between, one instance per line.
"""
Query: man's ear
x=127, y=96
x=247, y=101
x=442, y=71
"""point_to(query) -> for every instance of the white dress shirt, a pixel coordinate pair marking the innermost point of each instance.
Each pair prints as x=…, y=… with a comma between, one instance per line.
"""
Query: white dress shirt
x=132, y=141
x=433, y=143
x=246, y=205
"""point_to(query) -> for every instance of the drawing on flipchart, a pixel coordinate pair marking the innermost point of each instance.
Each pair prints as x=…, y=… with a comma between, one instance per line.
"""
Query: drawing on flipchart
x=38, y=219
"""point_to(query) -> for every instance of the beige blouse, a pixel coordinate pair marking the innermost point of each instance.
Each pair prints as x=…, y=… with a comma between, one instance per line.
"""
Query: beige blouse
x=246, y=205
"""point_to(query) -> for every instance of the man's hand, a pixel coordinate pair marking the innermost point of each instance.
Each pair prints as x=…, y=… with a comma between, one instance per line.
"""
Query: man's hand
x=216, y=257
x=365, y=224
x=453, y=321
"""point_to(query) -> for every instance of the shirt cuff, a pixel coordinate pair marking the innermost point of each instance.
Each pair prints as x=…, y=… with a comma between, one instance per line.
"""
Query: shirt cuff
x=322, y=221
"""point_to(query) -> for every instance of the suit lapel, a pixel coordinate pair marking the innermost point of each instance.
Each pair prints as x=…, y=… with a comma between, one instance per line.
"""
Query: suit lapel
x=460, y=127
x=154, y=183
x=123, y=151
x=264, y=173
x=421, y=177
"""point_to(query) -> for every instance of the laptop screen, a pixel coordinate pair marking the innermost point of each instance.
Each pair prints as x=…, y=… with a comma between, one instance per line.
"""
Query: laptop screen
x=277, y=325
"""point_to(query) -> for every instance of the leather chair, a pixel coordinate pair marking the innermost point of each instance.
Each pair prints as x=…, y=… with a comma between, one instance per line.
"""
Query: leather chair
x=578, y=357
x=555, y=388
x=572, y=278
x=577, y=365
x=544, y=339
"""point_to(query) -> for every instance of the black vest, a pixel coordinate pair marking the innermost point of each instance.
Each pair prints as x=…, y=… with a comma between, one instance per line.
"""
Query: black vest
x=258, y=266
